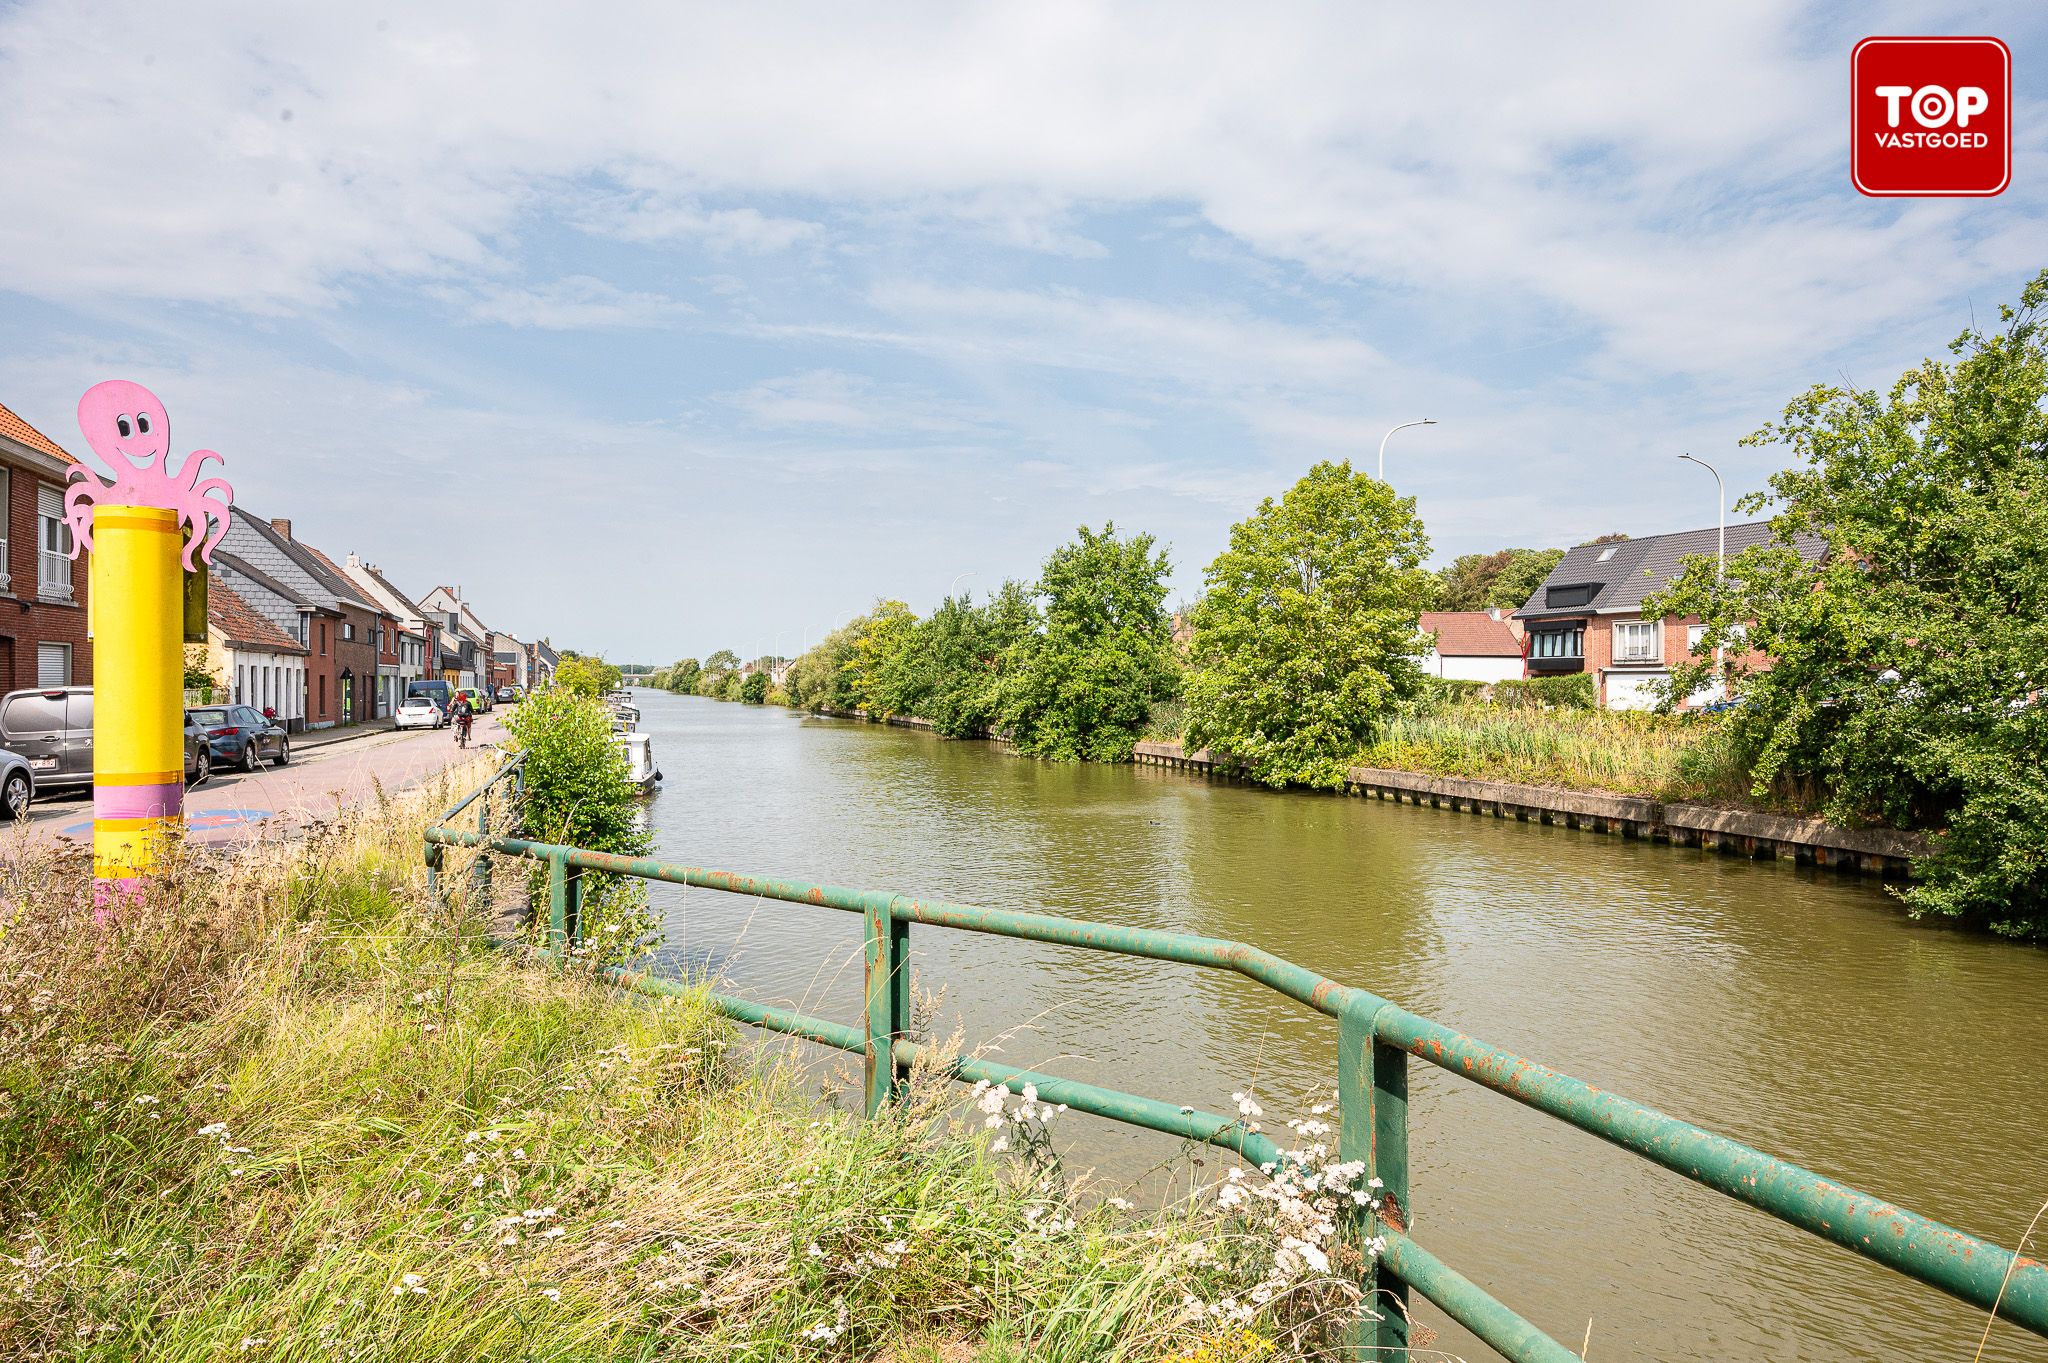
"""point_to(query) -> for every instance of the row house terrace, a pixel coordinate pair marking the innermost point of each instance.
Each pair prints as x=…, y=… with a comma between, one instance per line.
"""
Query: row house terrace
x=335, y=626
x=414, y=637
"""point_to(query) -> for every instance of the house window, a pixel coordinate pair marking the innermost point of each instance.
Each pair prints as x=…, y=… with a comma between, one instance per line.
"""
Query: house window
x=53, y=665
x=1558, y=643
x=53, y=544
x=1638, y=641
x=348, y=630
x=1572, y=594
x=323, y=653
x=1694, y=636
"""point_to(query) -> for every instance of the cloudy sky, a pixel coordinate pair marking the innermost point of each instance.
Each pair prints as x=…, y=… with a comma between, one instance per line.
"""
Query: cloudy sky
x=667, y=328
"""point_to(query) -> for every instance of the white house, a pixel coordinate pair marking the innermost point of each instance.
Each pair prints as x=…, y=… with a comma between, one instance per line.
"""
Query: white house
x=1472, y=646
x=262, y=665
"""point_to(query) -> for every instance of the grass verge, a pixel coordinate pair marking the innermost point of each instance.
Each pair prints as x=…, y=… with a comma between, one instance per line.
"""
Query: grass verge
x=1663, y=757
x=291, y=1108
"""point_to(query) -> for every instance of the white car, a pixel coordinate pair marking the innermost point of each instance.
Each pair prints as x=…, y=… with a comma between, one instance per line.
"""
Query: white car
x=420, y=712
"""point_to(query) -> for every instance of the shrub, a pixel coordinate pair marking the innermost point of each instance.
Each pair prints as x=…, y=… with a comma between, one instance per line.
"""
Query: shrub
x=754, y=690
x=1572, y=691
x=578, y=794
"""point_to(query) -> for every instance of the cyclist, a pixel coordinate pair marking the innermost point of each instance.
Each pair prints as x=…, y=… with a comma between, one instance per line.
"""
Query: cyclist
x=463, y=713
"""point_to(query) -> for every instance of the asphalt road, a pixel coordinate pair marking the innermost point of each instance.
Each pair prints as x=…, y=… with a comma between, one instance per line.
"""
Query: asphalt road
x=234, y=805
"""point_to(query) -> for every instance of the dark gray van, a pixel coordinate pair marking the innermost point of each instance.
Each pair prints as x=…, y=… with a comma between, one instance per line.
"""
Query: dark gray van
x=52, y=731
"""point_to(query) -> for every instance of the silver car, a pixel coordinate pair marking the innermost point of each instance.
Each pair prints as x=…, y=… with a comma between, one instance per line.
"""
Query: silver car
x=52, y=731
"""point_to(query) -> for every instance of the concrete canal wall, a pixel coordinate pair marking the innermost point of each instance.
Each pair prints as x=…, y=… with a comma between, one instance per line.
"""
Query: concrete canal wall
x=1738, y=832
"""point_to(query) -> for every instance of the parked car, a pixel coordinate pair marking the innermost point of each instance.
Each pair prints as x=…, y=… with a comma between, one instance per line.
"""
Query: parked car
x=479, y=699
x=434, y=689
x=17, y=785
x=241, y=736
x=421, y=712
x=506, y=695
x=51, y=730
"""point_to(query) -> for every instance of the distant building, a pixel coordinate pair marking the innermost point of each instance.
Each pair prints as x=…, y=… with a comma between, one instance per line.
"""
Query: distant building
x=1476, y=646
x=43, y=639
x=1588, y=614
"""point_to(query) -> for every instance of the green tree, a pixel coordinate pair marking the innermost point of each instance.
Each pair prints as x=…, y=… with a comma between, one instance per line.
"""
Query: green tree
x=585, y=676
x=815, y=677
x=881, y=637
x=1081, y=685
x=1506, y=578
x=951, y=670
x=1306, y=635
x=719, y=668
x=682, y=678
x=1907, y=668
x=754, y=689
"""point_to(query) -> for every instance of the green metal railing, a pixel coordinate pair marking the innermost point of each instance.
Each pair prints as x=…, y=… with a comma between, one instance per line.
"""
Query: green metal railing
x=1376, y=1039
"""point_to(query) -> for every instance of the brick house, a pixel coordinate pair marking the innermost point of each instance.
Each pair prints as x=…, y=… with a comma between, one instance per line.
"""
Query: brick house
x=43, y=638
x=1588, y=614
x=416, y=635
x=338, y=625
x=357, y=648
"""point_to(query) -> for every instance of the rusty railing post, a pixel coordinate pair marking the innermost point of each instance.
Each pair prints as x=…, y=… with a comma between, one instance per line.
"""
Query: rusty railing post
x=887, y=991
x=1372, y=1106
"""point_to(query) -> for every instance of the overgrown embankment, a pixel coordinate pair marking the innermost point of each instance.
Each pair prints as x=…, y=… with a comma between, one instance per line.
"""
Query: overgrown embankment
x=293, y=1107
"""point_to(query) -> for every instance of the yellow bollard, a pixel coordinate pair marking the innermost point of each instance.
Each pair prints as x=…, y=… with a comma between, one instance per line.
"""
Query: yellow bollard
x=138, y=763
x=146, y=527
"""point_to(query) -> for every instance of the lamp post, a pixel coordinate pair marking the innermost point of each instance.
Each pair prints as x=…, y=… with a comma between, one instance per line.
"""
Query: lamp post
x=1720, y=552
x=956, y=582
x=1390, y=435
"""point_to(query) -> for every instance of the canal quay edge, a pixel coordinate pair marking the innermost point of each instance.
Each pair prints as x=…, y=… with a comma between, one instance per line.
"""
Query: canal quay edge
x=1735, y=832
x=1885, y=852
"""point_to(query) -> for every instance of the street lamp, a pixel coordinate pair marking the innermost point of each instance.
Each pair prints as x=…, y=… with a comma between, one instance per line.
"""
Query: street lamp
x=1390, y=435
x=1720, y=548
x=956, y=582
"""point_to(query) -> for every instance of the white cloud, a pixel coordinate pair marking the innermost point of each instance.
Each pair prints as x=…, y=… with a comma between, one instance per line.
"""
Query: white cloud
x=1063, y=259
x=1493, y=148
x=574, y=303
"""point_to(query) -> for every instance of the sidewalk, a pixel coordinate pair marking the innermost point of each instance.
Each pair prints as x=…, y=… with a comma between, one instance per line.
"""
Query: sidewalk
x=320, y=738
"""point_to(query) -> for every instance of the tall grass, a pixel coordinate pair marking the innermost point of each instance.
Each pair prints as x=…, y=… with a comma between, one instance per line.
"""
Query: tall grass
x=290, y=1107
x=1671, y=757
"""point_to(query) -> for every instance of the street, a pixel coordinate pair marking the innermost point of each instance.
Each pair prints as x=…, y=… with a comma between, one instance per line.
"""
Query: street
x=233, y=805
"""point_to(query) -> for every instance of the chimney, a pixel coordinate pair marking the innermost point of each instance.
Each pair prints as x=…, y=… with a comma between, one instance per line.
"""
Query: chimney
x=281, y=526
x=1493, y=611
x=353, y=561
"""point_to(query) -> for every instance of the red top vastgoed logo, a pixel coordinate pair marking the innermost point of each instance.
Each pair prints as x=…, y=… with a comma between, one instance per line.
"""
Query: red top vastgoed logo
x=1930, y=117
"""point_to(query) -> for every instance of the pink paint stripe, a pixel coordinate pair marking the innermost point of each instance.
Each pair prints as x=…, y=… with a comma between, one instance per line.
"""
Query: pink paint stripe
x=138, y=802
x=114, y=892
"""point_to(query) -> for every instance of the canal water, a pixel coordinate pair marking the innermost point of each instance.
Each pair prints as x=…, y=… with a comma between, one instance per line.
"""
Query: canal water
x=1790, y=1009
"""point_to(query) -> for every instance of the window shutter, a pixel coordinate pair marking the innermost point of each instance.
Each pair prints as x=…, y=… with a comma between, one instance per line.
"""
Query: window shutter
x=53, y=665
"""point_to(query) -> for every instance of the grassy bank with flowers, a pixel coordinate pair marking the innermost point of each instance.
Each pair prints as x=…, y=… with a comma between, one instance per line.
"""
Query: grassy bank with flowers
x=291, y=1107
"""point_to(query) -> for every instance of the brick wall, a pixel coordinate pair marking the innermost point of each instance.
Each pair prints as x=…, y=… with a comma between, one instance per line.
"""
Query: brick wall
x=359, y=656
x=21, y=631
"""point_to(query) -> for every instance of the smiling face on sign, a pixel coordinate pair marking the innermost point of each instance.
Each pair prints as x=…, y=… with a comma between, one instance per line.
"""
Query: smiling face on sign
x=130, y=431
x=125, y=425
